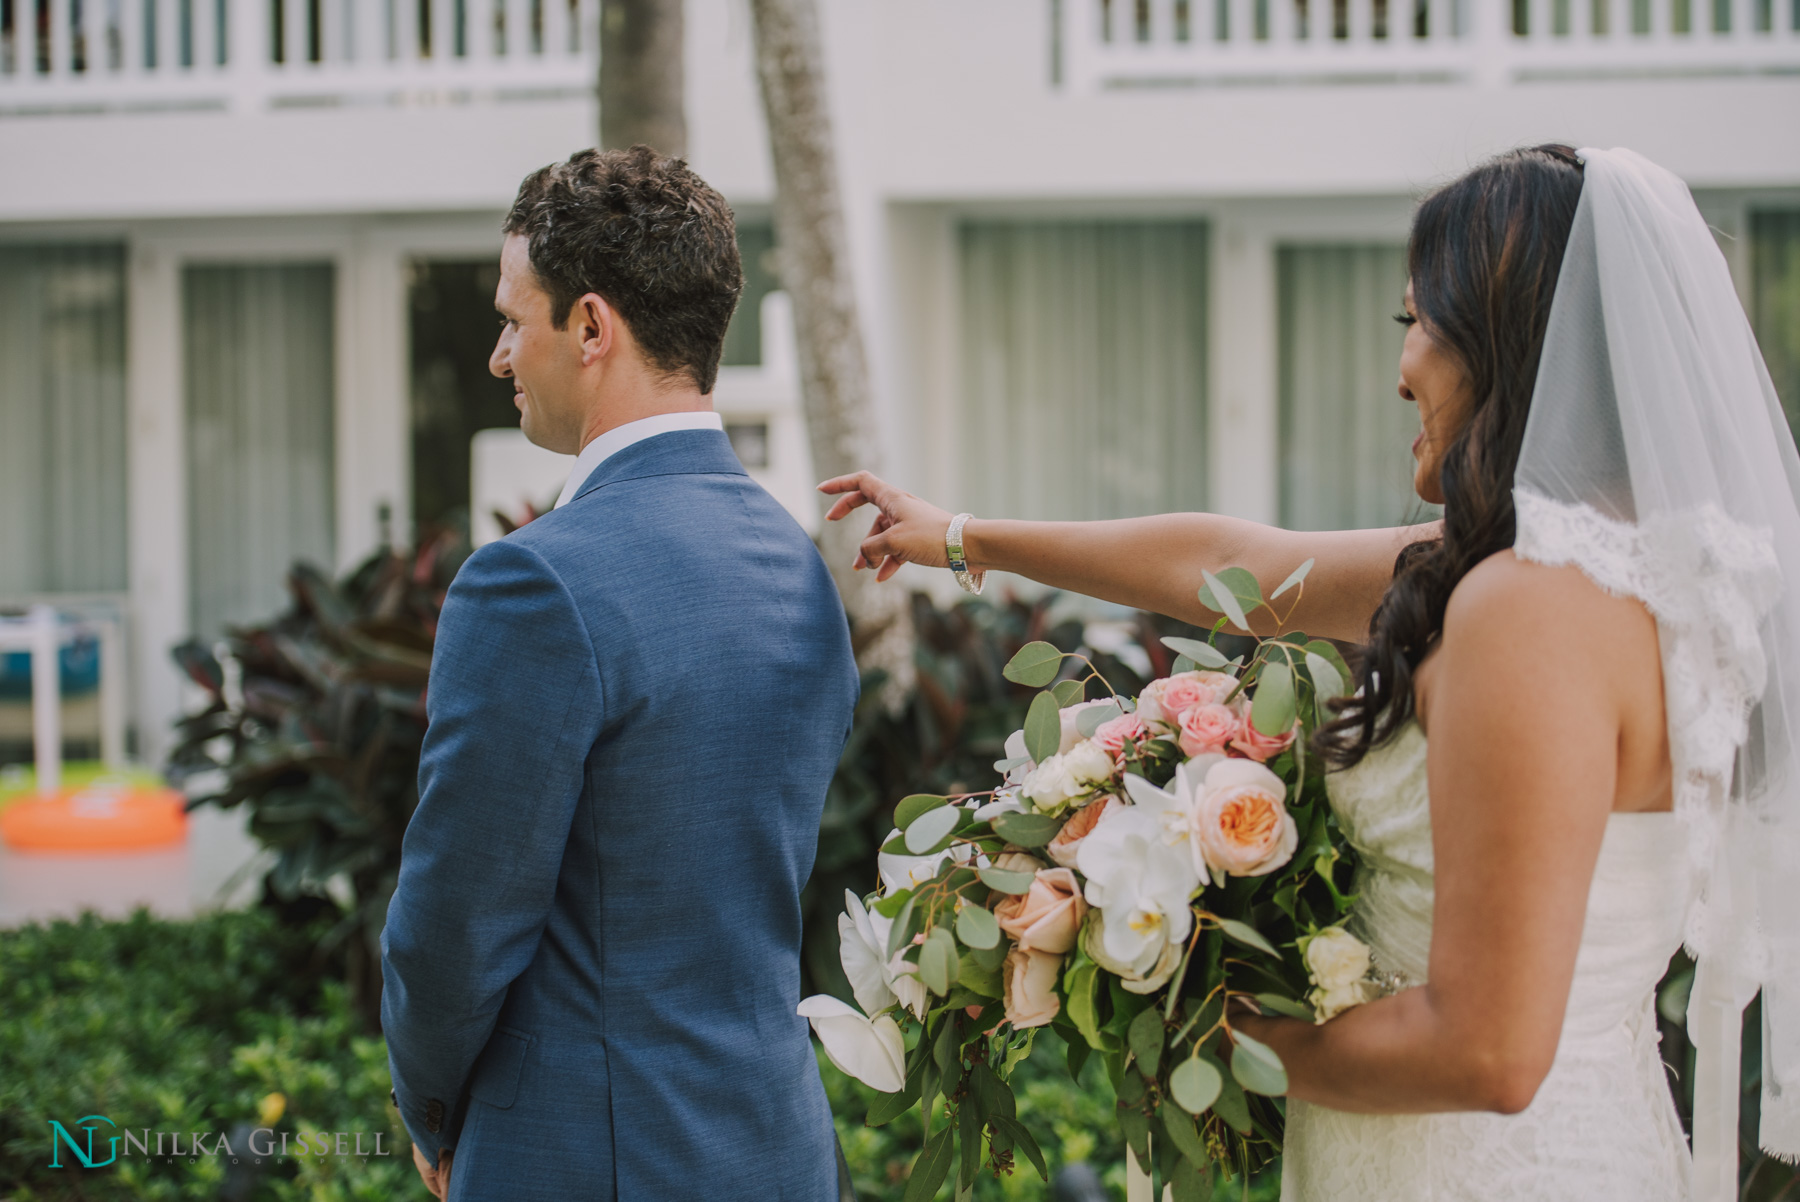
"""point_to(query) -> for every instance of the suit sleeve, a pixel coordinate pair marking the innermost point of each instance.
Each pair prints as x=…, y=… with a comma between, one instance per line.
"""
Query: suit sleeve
x=515, y=704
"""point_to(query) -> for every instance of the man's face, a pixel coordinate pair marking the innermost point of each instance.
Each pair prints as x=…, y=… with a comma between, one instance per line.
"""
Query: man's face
x=543, y=362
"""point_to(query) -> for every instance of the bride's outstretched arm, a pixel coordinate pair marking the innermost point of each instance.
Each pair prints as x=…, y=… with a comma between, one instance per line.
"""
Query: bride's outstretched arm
x=1152, y=563
x=1544, y=713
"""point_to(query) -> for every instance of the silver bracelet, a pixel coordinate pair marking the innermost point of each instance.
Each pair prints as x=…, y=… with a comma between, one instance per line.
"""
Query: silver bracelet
x=959, y=565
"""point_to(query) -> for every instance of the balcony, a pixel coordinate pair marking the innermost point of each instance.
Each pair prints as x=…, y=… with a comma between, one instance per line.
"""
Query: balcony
x=1124, y=44
x=255, y=56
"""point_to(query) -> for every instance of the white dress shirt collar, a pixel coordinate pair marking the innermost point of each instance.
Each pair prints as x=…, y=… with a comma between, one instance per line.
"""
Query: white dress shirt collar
x=620, y=437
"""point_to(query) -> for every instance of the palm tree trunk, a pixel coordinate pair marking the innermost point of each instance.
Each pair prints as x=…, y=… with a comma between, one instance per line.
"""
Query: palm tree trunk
x=641, y=76
x=815, y=269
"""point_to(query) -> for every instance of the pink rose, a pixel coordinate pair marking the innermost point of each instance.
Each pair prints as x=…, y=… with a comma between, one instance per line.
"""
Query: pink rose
x=1113, y=734
x=1255, y=744
x=1241, y=820
x=1206, y=729
x=1081, y=823
x=1029, y=978
x=1164, y=700
x=1048, y=916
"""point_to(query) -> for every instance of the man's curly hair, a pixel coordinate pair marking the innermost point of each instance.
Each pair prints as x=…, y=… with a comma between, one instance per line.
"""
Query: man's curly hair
x=647, y=235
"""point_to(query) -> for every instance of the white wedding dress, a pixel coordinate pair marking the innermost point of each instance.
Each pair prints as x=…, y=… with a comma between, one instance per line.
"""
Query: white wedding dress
x=1602, y=1127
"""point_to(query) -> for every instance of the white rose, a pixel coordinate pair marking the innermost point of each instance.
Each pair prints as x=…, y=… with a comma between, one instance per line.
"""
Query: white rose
x=1329, y=1003
x=1089, y=764
x=1051, y=786
x=1336, y=959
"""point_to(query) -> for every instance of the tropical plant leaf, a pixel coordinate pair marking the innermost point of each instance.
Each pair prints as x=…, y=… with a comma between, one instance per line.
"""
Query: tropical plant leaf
x=932, y=1166
x=1145, y=1039
x=1287, y=1007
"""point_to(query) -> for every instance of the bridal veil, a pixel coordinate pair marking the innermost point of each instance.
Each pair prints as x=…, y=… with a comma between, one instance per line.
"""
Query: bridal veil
x=1657, y=458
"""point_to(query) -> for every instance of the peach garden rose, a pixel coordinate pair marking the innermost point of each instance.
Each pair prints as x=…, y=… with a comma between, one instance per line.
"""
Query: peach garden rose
x=1029, y=979
x=1241, y=820
x=1048, y=916
x=1064, y=848
x=1255, y=744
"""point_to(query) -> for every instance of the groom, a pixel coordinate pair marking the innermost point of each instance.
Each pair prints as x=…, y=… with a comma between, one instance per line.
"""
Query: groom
x=592, y=957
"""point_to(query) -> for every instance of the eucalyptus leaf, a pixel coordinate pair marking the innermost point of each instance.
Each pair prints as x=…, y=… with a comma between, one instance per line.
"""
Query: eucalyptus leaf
x=1043, y=727
x=1216, y=595
x=1092, y=718
x=990, y=958
x=1068, y=692
x=1183, y=664
x=1035, y=665
x=934, y=967
x=1005, y=766
x=1326, y=681
x=1232, y=1106
x=1181, y=1132
x=912, y=806
x=1272, y=713
x=1257, y=1067
x=1298, y=575
x=1026, y=830
x=924, y=833
x=1286, y=1007
x=1145, y=1038
x=1001, y=880
x=1195, y=1085
x=901, y=933
x=1204, y=654
x=977, y=927
x=1247, y=935
x=978, y=977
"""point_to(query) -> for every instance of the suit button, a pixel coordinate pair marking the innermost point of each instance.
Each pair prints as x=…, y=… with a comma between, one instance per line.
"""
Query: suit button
x=434, y=1115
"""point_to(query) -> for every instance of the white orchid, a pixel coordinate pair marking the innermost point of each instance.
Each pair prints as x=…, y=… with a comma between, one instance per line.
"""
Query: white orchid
x=1140, y=878
x=877, y=981
x=1018, y=757
x=871, y=1050
x=1175, y=807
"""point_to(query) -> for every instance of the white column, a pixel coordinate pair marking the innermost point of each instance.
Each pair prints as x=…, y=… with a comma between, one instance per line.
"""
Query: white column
x=59, y=34
x=113, y=690
x=157, y=482
x=46, y=698
x=373, y=451
x=1244, y=429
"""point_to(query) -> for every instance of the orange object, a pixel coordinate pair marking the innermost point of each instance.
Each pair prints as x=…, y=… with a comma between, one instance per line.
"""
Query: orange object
x=101, y=817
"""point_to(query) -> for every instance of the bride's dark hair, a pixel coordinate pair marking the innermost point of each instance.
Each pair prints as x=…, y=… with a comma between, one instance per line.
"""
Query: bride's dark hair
x=1483, y=259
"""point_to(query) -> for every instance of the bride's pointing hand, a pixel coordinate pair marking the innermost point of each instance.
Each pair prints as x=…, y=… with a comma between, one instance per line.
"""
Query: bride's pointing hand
x=907, y=529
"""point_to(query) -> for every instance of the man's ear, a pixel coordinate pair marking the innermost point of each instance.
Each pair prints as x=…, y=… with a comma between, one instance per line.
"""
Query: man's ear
x=596, y=324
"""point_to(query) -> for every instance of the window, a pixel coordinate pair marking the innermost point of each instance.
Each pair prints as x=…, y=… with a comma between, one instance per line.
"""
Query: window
x=260, y=392
x=62, y=419
x=756, y=248
x=1775, y=307
x=1346, y=436
x=1083, y=368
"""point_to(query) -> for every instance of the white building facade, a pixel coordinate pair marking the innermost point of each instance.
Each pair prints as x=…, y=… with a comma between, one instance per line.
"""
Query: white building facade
x=1113, y=256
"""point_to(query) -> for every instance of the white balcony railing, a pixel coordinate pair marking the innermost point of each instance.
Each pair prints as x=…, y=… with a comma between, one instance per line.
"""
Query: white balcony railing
x=1155, y=43
x=255, y=55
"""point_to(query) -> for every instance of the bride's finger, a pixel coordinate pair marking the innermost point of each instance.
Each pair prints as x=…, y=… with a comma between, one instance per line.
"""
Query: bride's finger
x=893, y=564
x=845, y=504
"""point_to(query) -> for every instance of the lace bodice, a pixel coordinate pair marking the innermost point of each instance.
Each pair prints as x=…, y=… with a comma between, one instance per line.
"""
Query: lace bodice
x=1602, y=1127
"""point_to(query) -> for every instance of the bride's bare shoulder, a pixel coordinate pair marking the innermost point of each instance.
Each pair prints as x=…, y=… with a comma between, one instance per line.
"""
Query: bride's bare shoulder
x=1513, y=606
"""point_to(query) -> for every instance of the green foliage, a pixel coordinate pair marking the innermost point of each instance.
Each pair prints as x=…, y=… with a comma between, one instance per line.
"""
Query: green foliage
x=315, y=724
x=187, y=1026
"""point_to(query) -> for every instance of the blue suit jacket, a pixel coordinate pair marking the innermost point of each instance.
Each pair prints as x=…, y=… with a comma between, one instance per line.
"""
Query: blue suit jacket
x=592, y=957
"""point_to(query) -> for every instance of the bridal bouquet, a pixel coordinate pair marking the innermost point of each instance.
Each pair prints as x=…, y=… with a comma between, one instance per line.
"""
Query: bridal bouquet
x=1146, y=863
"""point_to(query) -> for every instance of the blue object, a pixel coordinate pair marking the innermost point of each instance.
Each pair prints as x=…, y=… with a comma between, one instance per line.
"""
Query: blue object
x=78, y=658
x=592, y=956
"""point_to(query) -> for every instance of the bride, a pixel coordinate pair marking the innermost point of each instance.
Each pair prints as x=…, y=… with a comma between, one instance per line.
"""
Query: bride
x=1572, y=748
